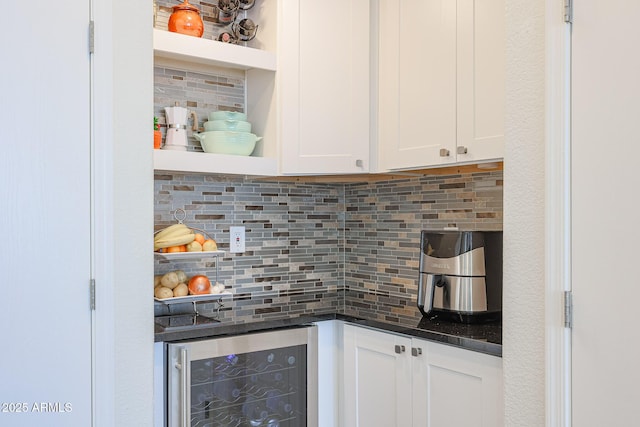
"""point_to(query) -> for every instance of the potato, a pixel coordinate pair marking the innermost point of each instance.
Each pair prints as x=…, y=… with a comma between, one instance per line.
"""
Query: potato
x=182, y=276
x=182, y=290
x=210, y=245
x=170, y=280
x=162, y=292
x=194, y=247
x=156, y=280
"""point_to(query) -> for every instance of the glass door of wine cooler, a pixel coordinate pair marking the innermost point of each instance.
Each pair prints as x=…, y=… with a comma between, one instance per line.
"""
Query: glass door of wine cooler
x=265, y=379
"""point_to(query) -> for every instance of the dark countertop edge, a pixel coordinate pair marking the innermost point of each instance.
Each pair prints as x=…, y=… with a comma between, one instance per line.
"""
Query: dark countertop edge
x=456, y=341
x=218, y=330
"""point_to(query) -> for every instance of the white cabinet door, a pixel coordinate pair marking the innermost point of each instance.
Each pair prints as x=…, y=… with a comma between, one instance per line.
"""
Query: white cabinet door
x=453, y=387
x=481, y=79
x=323, y=67
x=377, y=379
x=416, y=82
x=45, y=184
x=441, y=82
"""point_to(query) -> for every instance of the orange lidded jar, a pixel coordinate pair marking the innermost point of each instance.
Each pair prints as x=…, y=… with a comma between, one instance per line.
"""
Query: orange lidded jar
x=185, y=19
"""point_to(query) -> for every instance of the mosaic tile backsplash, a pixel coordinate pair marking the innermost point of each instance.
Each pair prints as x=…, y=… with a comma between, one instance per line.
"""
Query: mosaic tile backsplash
x=382, y=230
x=323, y=246
x=203, y=92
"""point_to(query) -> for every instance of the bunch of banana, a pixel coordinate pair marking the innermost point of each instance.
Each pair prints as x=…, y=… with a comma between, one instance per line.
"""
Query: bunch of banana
x=174, y=235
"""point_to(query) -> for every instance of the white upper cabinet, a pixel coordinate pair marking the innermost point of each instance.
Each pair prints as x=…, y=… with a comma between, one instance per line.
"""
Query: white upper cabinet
x=324, y=86
x=423, y=78
x=440, y=82
x=481, y=79
x=416, y=82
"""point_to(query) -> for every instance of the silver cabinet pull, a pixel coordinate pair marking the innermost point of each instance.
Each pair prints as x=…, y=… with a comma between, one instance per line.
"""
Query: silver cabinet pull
x=462, y=150
x=399, y=349
x=359, y=163
x=416, y=351
x=444, y=152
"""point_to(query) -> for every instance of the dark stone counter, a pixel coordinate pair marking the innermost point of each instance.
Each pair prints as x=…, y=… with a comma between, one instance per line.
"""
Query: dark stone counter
x=393, y=317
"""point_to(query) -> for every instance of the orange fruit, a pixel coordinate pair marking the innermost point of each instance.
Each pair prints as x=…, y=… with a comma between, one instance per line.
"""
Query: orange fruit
x=174, y=249
x=199, y=238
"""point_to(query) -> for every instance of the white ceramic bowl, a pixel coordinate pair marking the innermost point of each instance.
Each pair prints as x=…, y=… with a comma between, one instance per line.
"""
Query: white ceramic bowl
x=226, y=142
x=232, y=125
x=227, y=115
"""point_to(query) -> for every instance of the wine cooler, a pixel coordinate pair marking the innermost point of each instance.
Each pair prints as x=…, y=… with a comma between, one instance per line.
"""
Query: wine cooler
x=266, y=379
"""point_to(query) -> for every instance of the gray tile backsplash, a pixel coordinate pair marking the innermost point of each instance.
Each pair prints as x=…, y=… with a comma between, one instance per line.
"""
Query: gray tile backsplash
x=293, y=232
x=383, y=223
x=313, y=242
x=201, y=93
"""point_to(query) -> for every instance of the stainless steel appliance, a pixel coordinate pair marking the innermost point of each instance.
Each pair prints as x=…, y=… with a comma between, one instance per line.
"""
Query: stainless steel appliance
x=266, y=379
x=461, y=275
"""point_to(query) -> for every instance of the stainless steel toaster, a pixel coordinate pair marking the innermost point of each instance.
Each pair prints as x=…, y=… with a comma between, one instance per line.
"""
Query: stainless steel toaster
x=460, y=275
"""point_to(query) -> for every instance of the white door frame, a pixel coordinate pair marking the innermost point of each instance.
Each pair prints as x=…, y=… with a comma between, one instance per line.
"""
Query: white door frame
x=558, y=214
x=102, y=106
x=122, y=171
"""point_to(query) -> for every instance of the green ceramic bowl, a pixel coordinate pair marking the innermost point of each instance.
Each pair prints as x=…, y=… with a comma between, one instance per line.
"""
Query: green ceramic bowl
x=232, y=125
x=227, y=142
x=227, y=115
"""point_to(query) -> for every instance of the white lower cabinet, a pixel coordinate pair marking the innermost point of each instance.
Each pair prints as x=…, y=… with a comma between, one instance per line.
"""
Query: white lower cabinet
x=394, y=380
x=453, y=387
x=377, y=378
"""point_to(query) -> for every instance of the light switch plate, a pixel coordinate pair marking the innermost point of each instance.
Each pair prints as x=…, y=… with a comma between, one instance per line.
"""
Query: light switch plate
x=236, y=240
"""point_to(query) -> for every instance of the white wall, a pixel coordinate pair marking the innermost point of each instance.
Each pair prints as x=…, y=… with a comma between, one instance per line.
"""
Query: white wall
x=524, y=215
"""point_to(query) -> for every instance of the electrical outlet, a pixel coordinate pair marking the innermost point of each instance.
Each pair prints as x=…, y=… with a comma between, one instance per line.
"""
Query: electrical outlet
x=236, y=239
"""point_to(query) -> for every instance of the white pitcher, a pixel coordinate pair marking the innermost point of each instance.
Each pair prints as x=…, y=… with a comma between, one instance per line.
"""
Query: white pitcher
x=177, y=119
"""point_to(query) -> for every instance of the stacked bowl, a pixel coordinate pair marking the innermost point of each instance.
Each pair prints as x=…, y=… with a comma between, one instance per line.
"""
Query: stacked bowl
x=227, y=132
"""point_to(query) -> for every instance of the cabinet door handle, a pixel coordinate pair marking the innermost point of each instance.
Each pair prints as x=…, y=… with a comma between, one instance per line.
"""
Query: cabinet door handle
x=462, y=150
x=416, y=351
x=444, y=152
x=359, y=163
x=400, y=349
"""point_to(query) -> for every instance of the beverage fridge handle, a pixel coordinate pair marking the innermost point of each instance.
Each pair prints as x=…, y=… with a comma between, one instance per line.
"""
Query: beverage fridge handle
x=185, y=408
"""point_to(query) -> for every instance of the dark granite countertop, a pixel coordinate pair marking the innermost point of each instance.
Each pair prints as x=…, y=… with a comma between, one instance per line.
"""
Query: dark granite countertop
x=484, y=338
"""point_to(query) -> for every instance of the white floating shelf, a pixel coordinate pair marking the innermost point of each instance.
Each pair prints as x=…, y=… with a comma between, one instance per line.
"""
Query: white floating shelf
x=190, y=161
x=210, y=52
